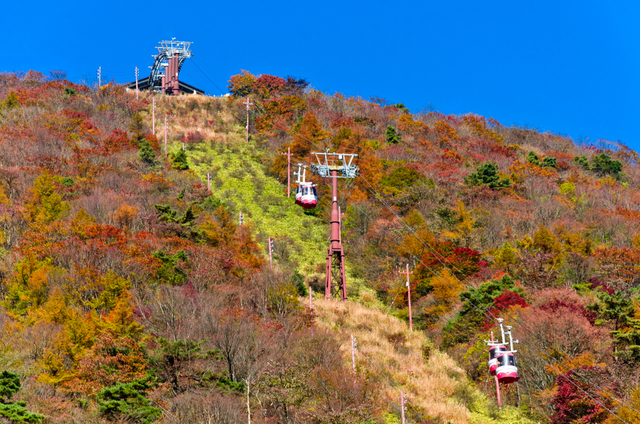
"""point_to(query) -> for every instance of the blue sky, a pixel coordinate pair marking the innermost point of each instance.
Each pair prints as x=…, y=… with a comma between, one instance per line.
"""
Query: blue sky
x=568, y=67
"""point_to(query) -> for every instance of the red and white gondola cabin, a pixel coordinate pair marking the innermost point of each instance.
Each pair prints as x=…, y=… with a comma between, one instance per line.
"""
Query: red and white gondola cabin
x=494, y=351
x=306, y=195
x=507, y=371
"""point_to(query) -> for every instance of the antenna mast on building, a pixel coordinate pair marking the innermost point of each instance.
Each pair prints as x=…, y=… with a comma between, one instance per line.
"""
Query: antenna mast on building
x=334, y=166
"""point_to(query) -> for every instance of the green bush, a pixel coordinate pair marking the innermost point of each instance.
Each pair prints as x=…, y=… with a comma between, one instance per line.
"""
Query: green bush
x=180, y=161
x=126, y=402
x=15, y=411
x=146, y=153
x=392, y=135
x=487, y=175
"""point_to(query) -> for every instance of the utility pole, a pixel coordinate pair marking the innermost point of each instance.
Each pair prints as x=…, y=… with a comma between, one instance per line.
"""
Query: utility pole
x=248, y=103
x=240, y=218
x=288, y=154
x=209, y=183
x=271, y=253
x=402, y=407
x=354, y=346
x=137, y=95
x=165, y=135
x=310, y=298
x=409, y=296
x=154, y=115
x=99, y=76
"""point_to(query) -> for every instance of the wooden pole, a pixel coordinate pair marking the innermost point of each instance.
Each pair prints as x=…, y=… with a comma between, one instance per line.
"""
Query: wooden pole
x=165, y=136
x=137, y=91
x=408, y=283
x=353, y=358
x=409, y=295
x=402, y=406
x=154, y=116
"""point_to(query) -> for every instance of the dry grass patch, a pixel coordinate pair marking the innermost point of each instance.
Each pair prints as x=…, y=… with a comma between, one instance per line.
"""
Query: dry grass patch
x=399, y=359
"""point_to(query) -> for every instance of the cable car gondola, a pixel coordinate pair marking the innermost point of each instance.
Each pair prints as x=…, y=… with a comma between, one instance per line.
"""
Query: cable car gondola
x=494, y=351
x=306, y=193
x=507, y=371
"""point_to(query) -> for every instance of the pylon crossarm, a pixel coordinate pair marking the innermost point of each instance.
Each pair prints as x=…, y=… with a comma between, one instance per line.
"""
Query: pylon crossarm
x=331, y=161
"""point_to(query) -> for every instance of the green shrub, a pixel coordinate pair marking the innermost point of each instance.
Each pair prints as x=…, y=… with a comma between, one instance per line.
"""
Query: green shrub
x=180, y=161
x=15, y=411
x=487, y=175
x=392, y=135
x=533, y=158
x=126, y=402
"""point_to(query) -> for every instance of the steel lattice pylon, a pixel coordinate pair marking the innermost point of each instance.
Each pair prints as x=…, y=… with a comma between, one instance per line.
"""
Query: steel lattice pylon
x=168, y=50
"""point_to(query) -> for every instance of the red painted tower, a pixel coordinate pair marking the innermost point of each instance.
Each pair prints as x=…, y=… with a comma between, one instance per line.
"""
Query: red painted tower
x=334, y=166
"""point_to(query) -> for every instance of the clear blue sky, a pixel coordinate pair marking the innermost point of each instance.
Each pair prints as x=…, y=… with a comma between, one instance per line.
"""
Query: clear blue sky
x=570, y=67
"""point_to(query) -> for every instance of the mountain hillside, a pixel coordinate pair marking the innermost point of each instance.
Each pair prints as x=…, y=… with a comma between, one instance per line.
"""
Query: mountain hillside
x=130, y=291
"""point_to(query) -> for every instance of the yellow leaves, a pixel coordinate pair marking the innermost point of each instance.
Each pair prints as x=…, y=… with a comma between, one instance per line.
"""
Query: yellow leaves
x=585, y=359
x=544, y=240
x=219, y=228
x=414, y=244
x=120, y=320
x=54, y=370
x=445, y=133
x=506, y=255
x=29, y=286
x=567, y=188
x=113, y=287
x=463, y=229
x=520, y=171
x=80, y=222
x=55, y=309
x=241, y=84
x=478, y=126
x=407, y=124
x=445, y=293
x=4, y=200
x=45, y=204
x=446, y=288
x=628, y=413
x=125, y=214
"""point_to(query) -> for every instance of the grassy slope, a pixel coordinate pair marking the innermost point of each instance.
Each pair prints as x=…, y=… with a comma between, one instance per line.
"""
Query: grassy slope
x=239, y=180
x=399, y=359
x=436, y=386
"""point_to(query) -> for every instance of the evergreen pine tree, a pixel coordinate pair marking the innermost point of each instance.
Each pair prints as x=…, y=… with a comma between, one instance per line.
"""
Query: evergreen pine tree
x=146, y=153
x=392, y=135
x=14, y=411
x=487, y=174
x=533, y=158
x=180, y=161
x=126, y=402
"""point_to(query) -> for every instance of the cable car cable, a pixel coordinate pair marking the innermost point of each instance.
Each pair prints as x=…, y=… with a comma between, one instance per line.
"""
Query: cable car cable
x=486, y=313
x=377, y=195
x=493, y=318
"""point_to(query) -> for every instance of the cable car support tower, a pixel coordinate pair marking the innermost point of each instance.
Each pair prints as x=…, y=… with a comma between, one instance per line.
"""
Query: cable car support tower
x=334, y=166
